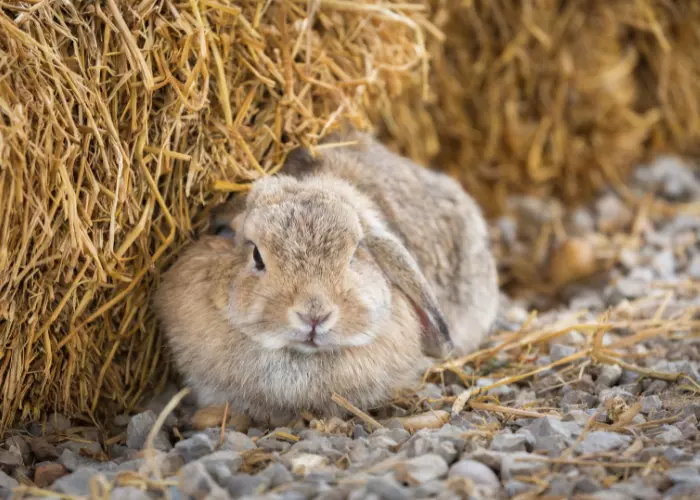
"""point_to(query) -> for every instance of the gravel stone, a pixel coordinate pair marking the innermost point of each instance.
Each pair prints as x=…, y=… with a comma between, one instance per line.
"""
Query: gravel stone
x=237, y=441
x=7, y=482
x=479, y=473
x=241, y=485
x=138, y=429
x=609, y=375
x=520, y=463
x=221, y=464
x=670, y=434
x=514, y=487
x=45, y=474
x=561, y=351
x=651, y=403
x=195, y=481
x=684, y=475
x=553, y=435
x=77, y=483
x=600, y=441
x=18, y=445
x=277, y=474
x=426, y=467
x=57, y=423
x=387, y=488
x=195, y=447
x=636, y=489
x=579, y=399
x=128, y=493
x=508, y=442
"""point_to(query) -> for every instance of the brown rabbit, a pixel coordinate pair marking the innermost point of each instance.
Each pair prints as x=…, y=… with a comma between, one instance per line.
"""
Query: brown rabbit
x=331, y=279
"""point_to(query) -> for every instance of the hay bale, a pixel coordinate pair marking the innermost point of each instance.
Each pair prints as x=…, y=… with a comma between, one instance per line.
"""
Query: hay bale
x=553, y=97
x=119, y=123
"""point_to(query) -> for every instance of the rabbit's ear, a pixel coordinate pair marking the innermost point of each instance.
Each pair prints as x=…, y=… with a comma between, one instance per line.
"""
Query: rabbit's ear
x=403, y=271
x=300, y=163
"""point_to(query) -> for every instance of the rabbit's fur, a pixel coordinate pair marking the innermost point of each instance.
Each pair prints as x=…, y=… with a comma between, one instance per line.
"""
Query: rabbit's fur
x=378, y=261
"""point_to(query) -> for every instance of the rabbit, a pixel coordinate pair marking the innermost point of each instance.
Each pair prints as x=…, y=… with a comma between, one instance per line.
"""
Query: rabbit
x=346, y=273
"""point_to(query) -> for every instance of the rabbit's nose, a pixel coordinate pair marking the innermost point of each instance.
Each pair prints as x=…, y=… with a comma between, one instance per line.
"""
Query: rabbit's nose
x=314, y=320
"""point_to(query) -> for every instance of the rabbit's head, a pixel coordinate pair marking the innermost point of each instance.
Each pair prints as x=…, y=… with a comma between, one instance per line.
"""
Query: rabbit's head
x=317, y=267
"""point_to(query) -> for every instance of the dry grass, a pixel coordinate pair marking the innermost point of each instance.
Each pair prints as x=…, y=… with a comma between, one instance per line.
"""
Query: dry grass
x=119, y=123
x=122, y=122
x=552, y=96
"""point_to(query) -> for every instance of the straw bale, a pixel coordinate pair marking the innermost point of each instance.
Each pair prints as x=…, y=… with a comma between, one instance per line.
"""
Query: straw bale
x=119, y=123
x=550, y=96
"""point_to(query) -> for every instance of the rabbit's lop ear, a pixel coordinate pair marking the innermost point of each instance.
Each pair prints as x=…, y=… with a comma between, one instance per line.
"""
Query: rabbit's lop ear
x=403, y=271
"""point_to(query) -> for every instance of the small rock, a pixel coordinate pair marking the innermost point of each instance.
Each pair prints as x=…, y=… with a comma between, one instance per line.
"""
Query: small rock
x=426, y=467
x=11, y=458
x=128, y=493
x=72, y=461
x=17, y=444
x=635, y=488
x=655, y=387
x=669, y=176
x=92, y=448
x=651, y=403
x=222, y=464
x=275, y=445
x=581, y=222
x=669, y=435
x=514, y=487
x=520, y=463
x=600, y=441
x=479, y=473
x=664, y=264
x=684, y=475
x=195, y=481
x=560, y=486
x=46, y=474
x=491, y=459
x=431, y=391
x=302, y=464
x=688, y=426
x=553, y=435
x=673, y=454
x=610, y=495
x=242, y=485
x=424, y=442
x=195, y=447
x=579, y=398
x=609, y=375
x=612, y=212
x=616, y=392
x=682, y=491
x=277, y=474
x=561, y=351
x=237, y=441
x=387, y=488
x=587, y=485
x=681, y=366
x=42, y=449
x=693, y=268
x=508, y=442
x=57, y=423
x=7, y=482
x=139, y=428
x=77, y=483
x=359, y=432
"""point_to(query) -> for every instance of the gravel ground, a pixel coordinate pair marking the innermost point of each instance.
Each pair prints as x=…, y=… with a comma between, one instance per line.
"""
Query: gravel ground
x=595, y=396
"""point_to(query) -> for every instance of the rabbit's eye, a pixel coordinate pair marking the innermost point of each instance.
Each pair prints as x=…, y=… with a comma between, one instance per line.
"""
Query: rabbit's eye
x=259, y=264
